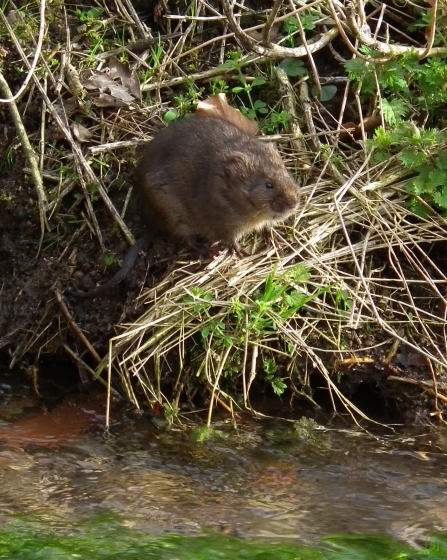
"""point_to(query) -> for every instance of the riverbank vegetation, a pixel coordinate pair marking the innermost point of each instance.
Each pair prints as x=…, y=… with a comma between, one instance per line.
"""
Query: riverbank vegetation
x=341, y=308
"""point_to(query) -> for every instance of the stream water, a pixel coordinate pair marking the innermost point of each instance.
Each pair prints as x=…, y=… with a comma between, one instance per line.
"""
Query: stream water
x=260, y=481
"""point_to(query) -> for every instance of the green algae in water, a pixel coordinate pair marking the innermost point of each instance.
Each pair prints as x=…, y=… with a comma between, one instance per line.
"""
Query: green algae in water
x=106, y=538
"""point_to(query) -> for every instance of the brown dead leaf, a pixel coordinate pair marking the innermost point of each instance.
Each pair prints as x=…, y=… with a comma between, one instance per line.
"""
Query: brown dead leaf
x=94, y=79
x=120, y=93
x=256, y=34
x=106, y=100
x=218, y=106
x=81, y=133
x=111, y=92
x=128, y=78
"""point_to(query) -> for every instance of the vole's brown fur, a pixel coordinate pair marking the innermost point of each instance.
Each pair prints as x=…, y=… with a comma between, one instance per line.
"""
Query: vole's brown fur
x=205, y=177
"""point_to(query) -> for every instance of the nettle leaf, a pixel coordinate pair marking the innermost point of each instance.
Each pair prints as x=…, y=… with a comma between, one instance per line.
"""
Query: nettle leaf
x=418, y=208
x=410, y=157
x=416, y=186
x=300, y=274
x=380, y=157
x=393, y=110
x=296, y=299
x=382, y=138
x=437, y=177
x=293, y=67
x=440, y=197
x=356, y=68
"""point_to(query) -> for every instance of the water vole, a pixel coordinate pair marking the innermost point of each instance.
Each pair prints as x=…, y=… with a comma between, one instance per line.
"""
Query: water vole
x=204, y=177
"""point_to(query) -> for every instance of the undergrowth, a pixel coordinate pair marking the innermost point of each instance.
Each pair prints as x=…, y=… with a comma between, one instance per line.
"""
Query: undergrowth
x=355, y=279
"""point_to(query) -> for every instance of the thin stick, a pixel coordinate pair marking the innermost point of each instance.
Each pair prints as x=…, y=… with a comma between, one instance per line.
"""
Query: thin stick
x=29, y=154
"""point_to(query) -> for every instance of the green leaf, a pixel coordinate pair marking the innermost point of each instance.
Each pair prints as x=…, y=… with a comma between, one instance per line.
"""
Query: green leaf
x=258, y=81
x=278, y=385
x=269, y=366
x=418, y=208
x=300, y=274
x=416, y=186
x=95, y=13
x=309, y=20
x=108, y=259
x=411, y=158
x=170, y=115
x=327, y=92
x=382, y=138
x=293, y=67
x=290, y=26
x=394, y=110
x=296, y=299
x=259, y=104
x=238, y=89
x=438, y=177
x=440, y=198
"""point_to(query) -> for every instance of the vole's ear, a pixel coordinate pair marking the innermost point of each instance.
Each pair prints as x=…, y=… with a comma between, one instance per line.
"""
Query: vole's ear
x=237, y=165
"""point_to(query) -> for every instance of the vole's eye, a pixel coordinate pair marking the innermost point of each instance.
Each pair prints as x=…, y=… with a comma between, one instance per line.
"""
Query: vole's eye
x=268, y=185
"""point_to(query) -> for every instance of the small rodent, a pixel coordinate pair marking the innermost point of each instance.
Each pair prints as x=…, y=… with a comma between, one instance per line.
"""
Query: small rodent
x=203, y=178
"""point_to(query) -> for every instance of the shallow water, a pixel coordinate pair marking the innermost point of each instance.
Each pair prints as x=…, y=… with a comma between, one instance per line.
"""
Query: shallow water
x=256, y=483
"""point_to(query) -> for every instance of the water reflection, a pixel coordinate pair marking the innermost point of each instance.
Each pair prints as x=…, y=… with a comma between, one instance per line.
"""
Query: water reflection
x=249, y=485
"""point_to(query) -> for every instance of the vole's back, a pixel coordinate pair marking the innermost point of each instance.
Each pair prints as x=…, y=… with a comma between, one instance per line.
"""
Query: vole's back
x=204, y=176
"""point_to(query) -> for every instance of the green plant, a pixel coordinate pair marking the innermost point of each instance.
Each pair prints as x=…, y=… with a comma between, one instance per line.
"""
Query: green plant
x=7, y=157
x=170, y=412
x=108, y=259
x=170, y=116
x=258, y=106
x=293, y=67
x=343, y=303
x=424, y=154
x=308, y=20
x=405, y=82
x=225, y=329
x=186, y=102
x=205, y=433
x=218, y=86
x=277, y=383
x=424, y=22
x=276, y=121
